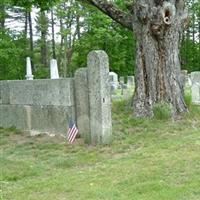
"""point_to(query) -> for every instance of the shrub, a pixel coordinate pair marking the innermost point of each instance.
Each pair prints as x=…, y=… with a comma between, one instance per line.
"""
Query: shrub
x=188, y=97
x=162, y=111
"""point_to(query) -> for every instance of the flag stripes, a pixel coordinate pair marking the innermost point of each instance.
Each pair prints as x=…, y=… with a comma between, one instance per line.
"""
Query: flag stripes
x=72, y=132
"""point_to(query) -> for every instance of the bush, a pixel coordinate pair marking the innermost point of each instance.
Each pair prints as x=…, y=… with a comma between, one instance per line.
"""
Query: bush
x=188, y=97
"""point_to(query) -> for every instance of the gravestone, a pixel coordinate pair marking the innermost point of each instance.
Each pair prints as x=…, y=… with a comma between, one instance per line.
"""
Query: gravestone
x=99, y=97
x=195, y=77
x=130, y=81
x=195, y=88
x=29, y=75
x=184, y=77
x=54, y=69
x=82, y=103
x=113, y=79
x=121, y=80
x=196, y=93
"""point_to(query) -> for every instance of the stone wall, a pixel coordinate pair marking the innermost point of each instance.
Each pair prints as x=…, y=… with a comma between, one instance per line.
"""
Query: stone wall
x=37, y=105
x=49, y=105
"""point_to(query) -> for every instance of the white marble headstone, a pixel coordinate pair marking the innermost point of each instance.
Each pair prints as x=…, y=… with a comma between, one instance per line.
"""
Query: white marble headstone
x=29, y=75
x=54, y=69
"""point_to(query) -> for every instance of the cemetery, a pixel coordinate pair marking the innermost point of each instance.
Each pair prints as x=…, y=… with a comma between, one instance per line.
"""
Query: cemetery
x=35, y=114
x=82, y=117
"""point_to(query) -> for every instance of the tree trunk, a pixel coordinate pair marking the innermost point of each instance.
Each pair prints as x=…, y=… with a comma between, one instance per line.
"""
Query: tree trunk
x=157, y=25
x=157, y=62
x=44, y=30
x=31, y=38
x=53, y=34
x=2, y=15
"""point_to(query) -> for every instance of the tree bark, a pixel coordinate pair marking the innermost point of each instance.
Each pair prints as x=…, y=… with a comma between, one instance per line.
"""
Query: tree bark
x=53, y=34
x=31, y=39
x=158, y=71
x=157, y=25
x=44, y=30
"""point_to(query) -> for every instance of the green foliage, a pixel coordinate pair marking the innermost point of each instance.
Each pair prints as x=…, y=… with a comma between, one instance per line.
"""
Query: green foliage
x=42, y=73
x=96, y=31
x=12, y=56
x=190, y=52
x=104, y=34
x=162, y=111
x=190, y=47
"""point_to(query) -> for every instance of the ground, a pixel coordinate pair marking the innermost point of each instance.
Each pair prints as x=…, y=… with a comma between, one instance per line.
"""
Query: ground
x=149, y=159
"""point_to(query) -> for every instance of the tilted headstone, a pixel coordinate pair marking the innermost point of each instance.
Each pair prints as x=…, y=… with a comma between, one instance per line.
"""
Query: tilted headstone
x=195, y=88
x=29, y=75
x=130, y=81
x=54, y=69
x=82, y=103
x=99, y=97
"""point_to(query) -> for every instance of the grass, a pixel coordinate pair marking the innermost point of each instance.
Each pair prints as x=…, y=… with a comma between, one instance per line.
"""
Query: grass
x=148, y=160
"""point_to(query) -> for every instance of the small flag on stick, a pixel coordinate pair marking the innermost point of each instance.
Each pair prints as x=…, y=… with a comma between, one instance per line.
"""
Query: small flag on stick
x=72, y=132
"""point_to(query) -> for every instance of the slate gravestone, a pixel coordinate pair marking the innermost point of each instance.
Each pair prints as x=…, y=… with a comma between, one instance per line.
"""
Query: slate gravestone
x=99, y=97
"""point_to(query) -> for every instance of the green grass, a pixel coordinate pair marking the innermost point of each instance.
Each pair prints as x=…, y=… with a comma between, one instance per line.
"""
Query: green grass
x=148, y=160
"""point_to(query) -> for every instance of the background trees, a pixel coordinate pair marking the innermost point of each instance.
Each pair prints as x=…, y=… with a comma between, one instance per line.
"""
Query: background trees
x=68, y=30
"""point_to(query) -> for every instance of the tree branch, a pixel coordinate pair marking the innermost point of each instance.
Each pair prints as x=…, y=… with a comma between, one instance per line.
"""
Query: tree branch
x=121, y=17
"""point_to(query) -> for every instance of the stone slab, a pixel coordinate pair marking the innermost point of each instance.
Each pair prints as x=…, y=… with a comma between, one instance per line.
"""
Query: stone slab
x=47, y=119
x=58, y=92
x=82, y=103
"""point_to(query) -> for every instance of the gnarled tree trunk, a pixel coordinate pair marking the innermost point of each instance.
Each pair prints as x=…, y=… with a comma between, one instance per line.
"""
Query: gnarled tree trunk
x=158, y=30
x=157, y=25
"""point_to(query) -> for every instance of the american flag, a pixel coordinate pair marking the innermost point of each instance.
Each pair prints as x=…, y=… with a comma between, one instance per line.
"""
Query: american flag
x=72, y=132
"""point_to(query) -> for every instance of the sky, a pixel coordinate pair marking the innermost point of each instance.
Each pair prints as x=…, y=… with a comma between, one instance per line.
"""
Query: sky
x=18, y=25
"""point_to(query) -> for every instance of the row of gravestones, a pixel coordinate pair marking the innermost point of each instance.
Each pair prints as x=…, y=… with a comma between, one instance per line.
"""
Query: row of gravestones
x=53, y=69
x=119, y=83
x=192, y=80
x=189, y=80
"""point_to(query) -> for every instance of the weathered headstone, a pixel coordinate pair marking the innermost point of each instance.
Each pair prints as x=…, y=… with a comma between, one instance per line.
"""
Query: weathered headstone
x=130, y=81
x=121, y=80
x=195, y=88
x=184, y=77
x=54, y=69
x=29, y=75
x=99, y=97
x=195, y=77
x=82, y=103
x=113, y=79
x=196, y=93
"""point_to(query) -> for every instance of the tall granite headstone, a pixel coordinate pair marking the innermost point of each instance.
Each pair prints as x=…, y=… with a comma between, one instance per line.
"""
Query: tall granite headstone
x=82, y=103
x=99, y=97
